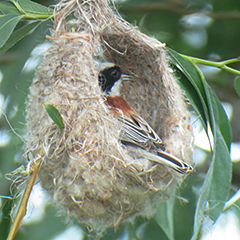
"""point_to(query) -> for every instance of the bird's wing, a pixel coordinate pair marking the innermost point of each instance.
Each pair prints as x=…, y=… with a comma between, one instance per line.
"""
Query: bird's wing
x=137, y=132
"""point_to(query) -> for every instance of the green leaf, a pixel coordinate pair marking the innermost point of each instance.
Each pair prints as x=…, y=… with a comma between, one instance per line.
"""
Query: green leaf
x=218, y=193
x=151, y=231
x=32, y=9
x=7, y=25
x=54, y=115
x=237, y=85
x=9, y=8
x=218, y=119
x=193, y=85
x=215, y=189
x=222, y=120
x=164, y=217
x=199, y=96
x=18, y=35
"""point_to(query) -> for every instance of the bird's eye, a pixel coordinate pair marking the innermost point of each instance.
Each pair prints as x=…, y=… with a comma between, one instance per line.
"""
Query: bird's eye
x=114, y=73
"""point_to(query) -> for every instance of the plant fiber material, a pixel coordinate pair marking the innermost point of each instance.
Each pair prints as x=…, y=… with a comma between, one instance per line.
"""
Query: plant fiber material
x=85, y=169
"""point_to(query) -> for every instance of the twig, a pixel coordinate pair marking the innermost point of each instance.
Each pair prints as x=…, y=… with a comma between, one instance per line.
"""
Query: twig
x=222, y=65
x=23, y=205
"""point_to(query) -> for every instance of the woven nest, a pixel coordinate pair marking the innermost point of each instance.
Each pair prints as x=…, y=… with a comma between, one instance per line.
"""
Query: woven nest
x=85, y=168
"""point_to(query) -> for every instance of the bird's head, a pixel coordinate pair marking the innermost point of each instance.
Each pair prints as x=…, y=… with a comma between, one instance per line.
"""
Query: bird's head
x=110, y=79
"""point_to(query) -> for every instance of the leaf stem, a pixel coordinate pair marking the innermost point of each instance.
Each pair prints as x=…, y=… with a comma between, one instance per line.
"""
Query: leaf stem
x=222, y=65
x=37, y=16
x=18, y=7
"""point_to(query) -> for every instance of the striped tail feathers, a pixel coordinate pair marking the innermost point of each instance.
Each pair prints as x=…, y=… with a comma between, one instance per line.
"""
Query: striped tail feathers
x=169, y=160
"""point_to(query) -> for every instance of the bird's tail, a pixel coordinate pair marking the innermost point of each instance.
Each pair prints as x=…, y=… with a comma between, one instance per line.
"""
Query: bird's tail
x=171, y=161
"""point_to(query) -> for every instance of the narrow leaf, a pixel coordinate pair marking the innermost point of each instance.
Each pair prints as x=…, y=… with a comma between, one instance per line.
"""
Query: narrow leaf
x=9, y=8
x=216, y=123
x=54, y=115
x=222, y=120
x=219, y=192
x=237, y=85
x=164, y=217
x=215, y=189
x=197, y=91
x=30, y=7
x=194, y=87
x=18, y=35
x=7, y=25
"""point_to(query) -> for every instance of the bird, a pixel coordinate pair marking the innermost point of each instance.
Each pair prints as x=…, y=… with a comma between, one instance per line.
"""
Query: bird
x=135, y=132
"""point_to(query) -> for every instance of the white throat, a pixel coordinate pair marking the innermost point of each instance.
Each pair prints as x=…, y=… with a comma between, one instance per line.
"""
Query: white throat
x=115, y=90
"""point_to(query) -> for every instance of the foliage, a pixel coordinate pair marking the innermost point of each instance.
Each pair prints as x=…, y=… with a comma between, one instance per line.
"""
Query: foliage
x=23, y=22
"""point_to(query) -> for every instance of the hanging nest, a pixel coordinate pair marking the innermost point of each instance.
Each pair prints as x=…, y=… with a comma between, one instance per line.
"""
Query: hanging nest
x=84, y=167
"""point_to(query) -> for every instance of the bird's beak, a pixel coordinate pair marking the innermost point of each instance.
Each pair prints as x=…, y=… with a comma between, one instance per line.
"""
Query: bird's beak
x=126, y=77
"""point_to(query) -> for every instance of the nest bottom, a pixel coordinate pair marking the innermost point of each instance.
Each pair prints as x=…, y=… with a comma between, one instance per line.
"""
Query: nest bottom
x=104, y=196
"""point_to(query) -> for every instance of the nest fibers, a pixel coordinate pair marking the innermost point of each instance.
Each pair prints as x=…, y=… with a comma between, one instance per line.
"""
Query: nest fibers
x=85, y=168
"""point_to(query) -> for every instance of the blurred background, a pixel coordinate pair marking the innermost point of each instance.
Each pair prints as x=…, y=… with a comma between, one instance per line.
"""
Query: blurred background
x=208, y=29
